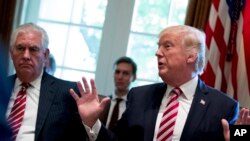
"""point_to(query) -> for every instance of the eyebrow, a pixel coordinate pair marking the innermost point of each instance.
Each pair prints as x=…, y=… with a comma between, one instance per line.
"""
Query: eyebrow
x=164, y=42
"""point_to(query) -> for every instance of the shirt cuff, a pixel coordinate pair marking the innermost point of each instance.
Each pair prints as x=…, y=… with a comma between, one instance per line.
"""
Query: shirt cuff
x=93, y=133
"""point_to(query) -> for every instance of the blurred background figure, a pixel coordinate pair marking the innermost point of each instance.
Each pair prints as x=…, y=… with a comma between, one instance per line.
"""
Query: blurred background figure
x=124, y=74
x=5, y=131
x=50, y=66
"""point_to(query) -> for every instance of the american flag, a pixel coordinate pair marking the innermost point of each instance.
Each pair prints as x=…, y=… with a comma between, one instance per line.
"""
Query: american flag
x=228, y=49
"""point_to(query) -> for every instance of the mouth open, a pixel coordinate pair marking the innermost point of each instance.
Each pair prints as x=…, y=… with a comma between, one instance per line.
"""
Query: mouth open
x=160, y=63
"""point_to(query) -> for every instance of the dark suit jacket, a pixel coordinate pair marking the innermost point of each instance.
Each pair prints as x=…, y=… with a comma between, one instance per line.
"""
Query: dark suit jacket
x=203, y=121
x=5, y=132
x=58, y=118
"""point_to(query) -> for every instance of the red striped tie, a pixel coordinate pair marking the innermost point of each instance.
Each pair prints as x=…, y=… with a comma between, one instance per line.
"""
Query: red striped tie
x=17, y=112
x=166, y=128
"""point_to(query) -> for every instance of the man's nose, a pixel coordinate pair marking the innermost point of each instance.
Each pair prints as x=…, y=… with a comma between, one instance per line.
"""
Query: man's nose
x=26, y=53
x=158, y=52
x=120, y=75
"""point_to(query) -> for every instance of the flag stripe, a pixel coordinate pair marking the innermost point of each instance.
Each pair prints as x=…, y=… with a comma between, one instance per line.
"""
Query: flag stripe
x=246, y=35
x=228, y=49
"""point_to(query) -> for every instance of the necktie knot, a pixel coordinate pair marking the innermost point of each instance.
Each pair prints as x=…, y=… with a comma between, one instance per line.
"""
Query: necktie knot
x=177, y=91
x=118, y=100
x=25, y=86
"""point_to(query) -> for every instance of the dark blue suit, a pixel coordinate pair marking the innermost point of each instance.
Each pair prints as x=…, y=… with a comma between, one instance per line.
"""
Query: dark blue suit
x=58, y=118
x=203, y=121
x=5, y=132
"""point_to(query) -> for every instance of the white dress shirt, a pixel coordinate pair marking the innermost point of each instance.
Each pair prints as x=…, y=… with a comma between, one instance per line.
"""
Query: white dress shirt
x=185, y=101
x=27, y=129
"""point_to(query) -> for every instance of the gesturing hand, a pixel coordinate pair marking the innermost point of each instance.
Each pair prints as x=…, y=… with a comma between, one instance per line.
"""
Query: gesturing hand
x=88, y=103
x=243, y=119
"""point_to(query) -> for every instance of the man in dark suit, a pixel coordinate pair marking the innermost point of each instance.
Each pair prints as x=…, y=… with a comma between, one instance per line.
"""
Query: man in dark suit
x=196, y=109
x=50, y=113
x=124, y=74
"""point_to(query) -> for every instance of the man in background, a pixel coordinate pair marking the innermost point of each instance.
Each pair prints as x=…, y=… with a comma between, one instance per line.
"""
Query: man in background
x=124, y=74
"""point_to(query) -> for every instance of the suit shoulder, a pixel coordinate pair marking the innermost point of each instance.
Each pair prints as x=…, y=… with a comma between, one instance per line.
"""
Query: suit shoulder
x=219, y=94
x=65, y=81
x=148, y=90
x=149, y=86
x=58, y=81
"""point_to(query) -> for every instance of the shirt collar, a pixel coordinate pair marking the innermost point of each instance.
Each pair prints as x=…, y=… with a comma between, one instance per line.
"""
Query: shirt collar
x=122, y=97
x=187, y=88
x=34, y=84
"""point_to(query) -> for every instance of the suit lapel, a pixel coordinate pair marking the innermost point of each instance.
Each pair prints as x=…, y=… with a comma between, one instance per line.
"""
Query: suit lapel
x=47, y=94
x=197, y=111
x=151, y=111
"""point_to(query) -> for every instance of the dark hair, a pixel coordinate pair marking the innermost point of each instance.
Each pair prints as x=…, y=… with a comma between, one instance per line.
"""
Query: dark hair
x=128, y=60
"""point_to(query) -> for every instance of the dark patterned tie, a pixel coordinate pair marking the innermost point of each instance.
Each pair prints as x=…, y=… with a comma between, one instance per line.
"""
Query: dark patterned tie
x=115, y=114
x=17, y=112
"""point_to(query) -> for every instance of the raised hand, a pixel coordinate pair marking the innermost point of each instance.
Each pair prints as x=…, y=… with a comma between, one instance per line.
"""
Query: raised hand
x=243, y=119
x=226, y=131
x=88, y=103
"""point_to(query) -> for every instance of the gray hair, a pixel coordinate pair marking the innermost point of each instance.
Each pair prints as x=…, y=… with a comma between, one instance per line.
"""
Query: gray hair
x=27, y=27
x=192, y=37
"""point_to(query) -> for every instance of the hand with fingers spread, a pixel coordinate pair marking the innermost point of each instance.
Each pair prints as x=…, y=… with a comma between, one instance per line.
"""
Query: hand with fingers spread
x=243, y=119
x=88, y=103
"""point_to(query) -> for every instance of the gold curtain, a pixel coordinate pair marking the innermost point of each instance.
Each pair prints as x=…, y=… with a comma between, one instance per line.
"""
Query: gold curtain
x=7, y=12
x=197, y=13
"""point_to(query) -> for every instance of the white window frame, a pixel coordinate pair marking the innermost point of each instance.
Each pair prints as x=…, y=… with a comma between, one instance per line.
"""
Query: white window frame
x=117, y=24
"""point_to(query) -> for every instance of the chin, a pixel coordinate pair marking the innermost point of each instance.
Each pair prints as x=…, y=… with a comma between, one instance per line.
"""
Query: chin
x=161, y=72
x=26, y=71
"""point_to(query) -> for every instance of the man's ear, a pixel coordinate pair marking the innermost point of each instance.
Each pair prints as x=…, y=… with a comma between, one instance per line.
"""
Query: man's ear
x=134, y=78
x=192, y=57
x=46, y=53
x=46, y=57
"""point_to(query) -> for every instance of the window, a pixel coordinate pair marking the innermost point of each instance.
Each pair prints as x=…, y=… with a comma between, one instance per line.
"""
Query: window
x=149, y=18
x=86, y=37
x=75, y=29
